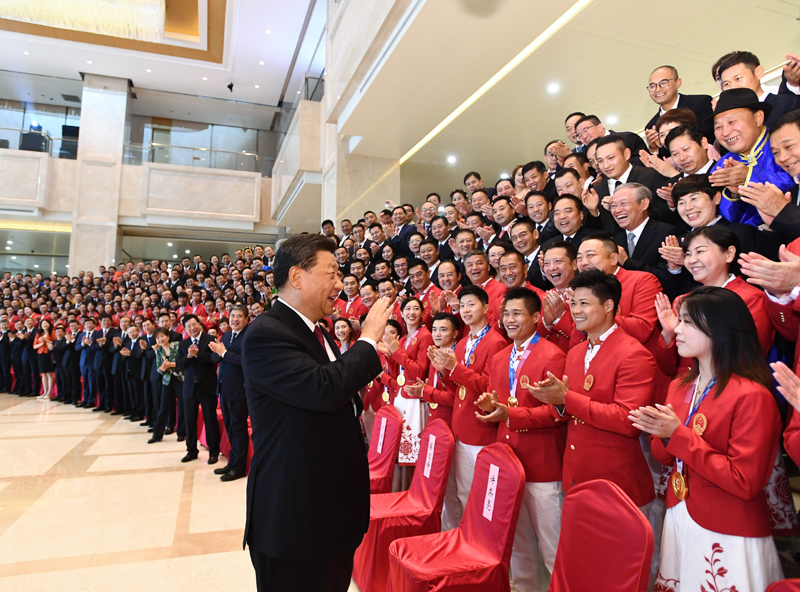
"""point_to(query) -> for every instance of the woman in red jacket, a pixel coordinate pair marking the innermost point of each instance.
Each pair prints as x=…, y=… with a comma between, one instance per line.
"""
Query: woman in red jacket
x=719, y=431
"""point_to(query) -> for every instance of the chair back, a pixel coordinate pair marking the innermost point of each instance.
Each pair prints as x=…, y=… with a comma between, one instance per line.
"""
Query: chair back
x=384, y=445
x=436, y=449
x=784, y=586
x=490, y=517
x=606, y=542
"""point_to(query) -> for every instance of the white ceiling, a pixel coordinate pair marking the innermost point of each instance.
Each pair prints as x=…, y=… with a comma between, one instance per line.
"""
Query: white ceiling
x=246, y=44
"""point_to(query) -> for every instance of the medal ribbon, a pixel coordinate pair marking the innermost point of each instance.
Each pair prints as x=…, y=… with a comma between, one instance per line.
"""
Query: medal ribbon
x=512, y=368
x=695, y=406
x=407, y=342
x=480, y=336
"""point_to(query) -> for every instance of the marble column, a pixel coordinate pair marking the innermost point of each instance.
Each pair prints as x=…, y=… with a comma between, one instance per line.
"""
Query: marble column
x=96, y=239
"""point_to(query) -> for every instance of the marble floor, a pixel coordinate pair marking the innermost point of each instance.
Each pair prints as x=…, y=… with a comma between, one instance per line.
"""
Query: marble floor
x=86, y=504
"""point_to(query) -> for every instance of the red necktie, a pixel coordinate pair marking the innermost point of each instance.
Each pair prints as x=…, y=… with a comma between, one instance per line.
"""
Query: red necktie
x=319, y=336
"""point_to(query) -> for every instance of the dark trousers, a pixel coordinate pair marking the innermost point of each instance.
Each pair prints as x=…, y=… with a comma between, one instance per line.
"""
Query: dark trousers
x=169, y=393
x=89, y=386
x=176, y=415
x=209, y=405
x=302, y=575
x=5, y=380
x=135, y=390
x=19, y=383
x=234, y=414
x=105, y=387
x=30, y=375
x=155, y=400
x=74, y=379
x=121, y=392
x=62, y=387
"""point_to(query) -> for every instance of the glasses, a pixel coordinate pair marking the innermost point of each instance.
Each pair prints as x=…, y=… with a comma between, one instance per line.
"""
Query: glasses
x=662, y=83
x=585, y=129
x=619, y=205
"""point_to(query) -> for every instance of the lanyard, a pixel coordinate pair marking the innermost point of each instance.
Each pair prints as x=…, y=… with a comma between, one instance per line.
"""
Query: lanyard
x=512, y=368
x=471, y=350
x=695, y=406
x=408, y=341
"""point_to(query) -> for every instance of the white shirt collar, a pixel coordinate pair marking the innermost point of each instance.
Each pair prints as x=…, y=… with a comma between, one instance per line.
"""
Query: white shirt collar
x=661, y=110
x=306, y=320
x=704, y=169
x=714, y=221
x=731, y=277
x=606, y=335
x=637, y=232
x=623, y=178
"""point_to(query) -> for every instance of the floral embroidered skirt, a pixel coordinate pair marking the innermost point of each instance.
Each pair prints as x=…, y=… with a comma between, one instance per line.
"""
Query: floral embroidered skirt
x=415, y=417
x=694, y=559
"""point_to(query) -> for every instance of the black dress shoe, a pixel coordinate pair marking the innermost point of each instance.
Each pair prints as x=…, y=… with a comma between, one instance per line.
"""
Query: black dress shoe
x=181, y=438
x=169, y=431
x=190, y=456
x=135, y=418
x=149, y=429
x=232, y=476
x=97, y=409
x=212, y=460
x=126, y=416
x=58, y=399
x=117, y=413
x=222, y=470
x=145, y=423
x=153, y=440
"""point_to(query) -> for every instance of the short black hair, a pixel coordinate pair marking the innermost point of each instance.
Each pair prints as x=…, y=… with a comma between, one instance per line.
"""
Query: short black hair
x=476, y=291
x=326, y=222
x=570, y=249
x=593, y=119
x=538, y=165
x=299, y=251
x=690, y=131
x=563, y=172
x=472, y=174
x=611, y=139
x=531, y=299
x=790, y=118
x=604, y=287
x=734, y=58
x=188, y=317
x=573, y=114
x=449, y=317
x=417, y=263
x=693, y=184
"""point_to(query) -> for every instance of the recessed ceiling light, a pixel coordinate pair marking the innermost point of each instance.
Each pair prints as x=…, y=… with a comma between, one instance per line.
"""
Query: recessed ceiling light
x=269, y=32
x=67, y=266
x=148, y=70
x=169, y=244
x=205, y=78
x=36, y=266
x=451, y=159
x=14, y=257
x=174, y=256
x=187, y=251
x=89, y=62
x=339, y=97
x=504, y=176
x=553, y=87
x=611, y=119
x=258, y=86
x=261, y=63
x=25, y=53
x=8, y=248
x=298, y=92
x=9, y=242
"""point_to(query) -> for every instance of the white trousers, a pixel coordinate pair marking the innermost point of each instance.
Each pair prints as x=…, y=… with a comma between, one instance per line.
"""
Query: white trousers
x=465, y=458
x=452, y=511
x=536, y=537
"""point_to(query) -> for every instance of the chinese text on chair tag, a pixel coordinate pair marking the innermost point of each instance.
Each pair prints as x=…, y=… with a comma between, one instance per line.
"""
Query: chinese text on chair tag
x=491, y=488
x=383, y=433
x=429, y=457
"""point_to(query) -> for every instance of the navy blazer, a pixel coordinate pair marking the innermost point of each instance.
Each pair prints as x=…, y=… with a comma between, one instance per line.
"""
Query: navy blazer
x=308, y=488
x=86, y=352
x=230, y=384
x=400, y=242
x=199, y=372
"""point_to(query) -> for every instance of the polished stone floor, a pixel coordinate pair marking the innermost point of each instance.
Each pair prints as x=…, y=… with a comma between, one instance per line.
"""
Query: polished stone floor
x=86, y=504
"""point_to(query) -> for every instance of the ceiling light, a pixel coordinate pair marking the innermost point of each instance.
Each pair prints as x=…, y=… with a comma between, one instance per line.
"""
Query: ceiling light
x=187, y=251
x=505, y=176
x=611, y=119
x=553, y=88
x=169, y=244
x=298, y=92
x=269, y=32
x=8, y=248
x=205, y=78
x=67, y=266
x=148, y=70
x=261, y=63
x=9, y=242
x=258, y=86
x=25, y=53
x=89, y=62
x=174, y=256
x=451, y=159
x=13, y=256
x=557, y=25
x=36, y=266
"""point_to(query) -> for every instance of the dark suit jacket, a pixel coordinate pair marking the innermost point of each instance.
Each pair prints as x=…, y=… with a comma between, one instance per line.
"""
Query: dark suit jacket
x=104, y=354
x=634, y=143
x=535, y=276
x=787, y=222
x=781, y=105
x=700, y=105
x=200, y=371
x=400, y=242
x=231, y=377
x=308, y=488
x=659, y=210
x=5, y=350
x=60, y=353
x=645, y=256
x=582, y=233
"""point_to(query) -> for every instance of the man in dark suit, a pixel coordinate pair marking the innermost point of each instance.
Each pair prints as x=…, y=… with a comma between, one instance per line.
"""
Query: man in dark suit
x=200, y=387
x=30, y=367
x=60, y=366
x=5, y=357
x=135, y=348
x=402, y=232
x=72, y=362
x=614, y=160
x=17, y=344
x=568, y=216
x=103, y=346
x=308, y=488
x=663, y=88
x=119, y=368
x=151, y=387
x=83, y=345
x=525, y=240
x=590, y=128
x=230, y=388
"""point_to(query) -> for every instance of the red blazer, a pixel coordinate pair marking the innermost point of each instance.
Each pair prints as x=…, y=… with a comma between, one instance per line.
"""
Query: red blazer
x=432, y=294
x=466, y=427
x=413, y=357
x=671, y=364
x=726, y=467
x=355, y=308
x=387, y=379
x=440, y=398
x=495, y=290
x=560, y=333
x=534, y=432
x=601, y=442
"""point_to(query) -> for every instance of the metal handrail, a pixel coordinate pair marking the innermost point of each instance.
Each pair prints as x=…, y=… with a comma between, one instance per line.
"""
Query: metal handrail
x=156, y=144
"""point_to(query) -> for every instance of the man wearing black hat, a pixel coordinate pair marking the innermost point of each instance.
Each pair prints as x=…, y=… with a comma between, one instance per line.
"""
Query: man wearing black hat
x=739, y=128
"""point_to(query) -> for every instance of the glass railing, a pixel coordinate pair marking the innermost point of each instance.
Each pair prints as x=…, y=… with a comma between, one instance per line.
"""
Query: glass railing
x=207, y=158
x=37, y=141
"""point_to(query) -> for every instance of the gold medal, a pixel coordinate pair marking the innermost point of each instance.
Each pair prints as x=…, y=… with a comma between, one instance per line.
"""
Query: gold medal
x=524, y=381
x=462, y=392
x=679, y=487
x=371, y=382
x=385, y=397
x=471, y=359
x=401, y=380
x=587, y=384
x=414, y=341
x=512, y=402
x=433, y=405
x=699, y=424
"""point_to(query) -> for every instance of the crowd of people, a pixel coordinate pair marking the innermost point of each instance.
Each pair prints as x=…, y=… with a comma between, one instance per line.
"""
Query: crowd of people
x=609, y=311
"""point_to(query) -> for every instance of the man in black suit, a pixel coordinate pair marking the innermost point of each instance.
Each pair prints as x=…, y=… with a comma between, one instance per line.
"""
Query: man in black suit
x=103, y=346
x=525, y=239
x=151, y=383
x=17, y=343
x=536, y=179
x=440, y=232
x=568, y=216
x=200, y=386
x=119, y=368
x=614, y=160
x=663, y=88
x=402, y=232
x=228, y=354
x=30, y=368
x=72, y=362
x=308, y=488
x=539, y=212
x=133, y=351
x=60, y=365
x=590, y=128
x=5, y=357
